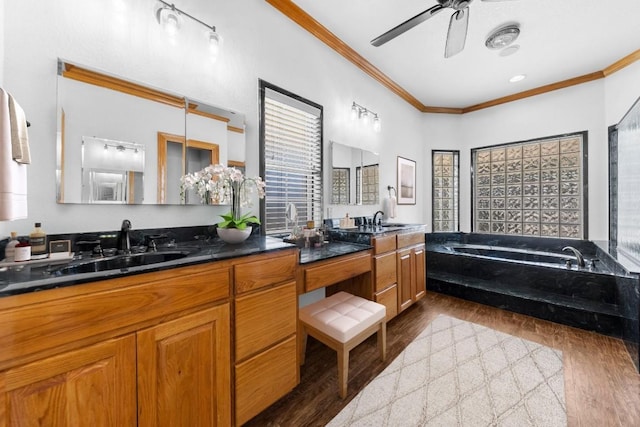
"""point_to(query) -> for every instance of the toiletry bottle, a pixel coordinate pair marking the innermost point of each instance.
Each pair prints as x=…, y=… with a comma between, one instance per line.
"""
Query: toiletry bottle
x=38, y=240
x=10, y=249
x=22, y=251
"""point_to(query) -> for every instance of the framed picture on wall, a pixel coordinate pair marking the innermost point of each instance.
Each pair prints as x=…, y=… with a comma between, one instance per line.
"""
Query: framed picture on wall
x=406, y=181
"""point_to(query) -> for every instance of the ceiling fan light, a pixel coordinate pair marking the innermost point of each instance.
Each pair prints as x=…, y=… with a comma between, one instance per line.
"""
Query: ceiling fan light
x=503, y=36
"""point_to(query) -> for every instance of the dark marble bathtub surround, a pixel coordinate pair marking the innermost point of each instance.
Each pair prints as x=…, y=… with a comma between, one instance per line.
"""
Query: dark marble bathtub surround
x=606, y=300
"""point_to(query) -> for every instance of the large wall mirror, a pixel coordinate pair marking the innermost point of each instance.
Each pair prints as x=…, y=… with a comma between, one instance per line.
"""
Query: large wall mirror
x=355, y=177
x=123, y=142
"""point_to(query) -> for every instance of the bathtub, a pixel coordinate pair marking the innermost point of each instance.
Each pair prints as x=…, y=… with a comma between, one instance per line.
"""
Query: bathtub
x=533, y=276
x=541, y=258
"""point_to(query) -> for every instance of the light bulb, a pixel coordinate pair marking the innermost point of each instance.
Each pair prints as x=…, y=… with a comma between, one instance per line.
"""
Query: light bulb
x=354, y=111
x=215, y=43
x=169, y=19
x=365, y=117
x=376, y=123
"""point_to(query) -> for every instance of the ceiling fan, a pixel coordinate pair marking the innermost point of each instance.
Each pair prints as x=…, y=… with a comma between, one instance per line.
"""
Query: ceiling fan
x=457, y=25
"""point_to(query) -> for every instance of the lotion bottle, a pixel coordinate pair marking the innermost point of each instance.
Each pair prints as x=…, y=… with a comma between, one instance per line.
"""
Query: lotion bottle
x=10, y=249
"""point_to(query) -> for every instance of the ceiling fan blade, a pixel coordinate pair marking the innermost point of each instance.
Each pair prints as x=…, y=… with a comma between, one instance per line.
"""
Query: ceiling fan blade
x=457, y=32
x=406, y=25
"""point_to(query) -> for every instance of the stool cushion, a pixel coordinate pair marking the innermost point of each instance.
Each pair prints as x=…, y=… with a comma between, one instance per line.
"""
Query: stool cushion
x=342, y=316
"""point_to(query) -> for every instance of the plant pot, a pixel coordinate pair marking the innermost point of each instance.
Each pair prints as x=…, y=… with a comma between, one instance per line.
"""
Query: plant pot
x=234, y=235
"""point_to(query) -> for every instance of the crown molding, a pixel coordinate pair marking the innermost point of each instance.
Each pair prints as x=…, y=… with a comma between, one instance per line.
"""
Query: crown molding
x=307, y=22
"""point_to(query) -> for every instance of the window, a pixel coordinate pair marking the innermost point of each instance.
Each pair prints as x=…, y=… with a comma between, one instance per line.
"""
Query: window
x=367, y=185
x=445, y=188
x=340, y=188
x=291, y=158
x=533, y=188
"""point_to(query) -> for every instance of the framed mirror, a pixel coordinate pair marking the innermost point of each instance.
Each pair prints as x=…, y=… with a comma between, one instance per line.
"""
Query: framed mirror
x=170, y=134
x=355, y=177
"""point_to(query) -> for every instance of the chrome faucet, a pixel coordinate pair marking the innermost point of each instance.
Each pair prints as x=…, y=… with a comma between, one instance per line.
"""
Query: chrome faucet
x=374, y=218
x=124, y=244
x=577, y=253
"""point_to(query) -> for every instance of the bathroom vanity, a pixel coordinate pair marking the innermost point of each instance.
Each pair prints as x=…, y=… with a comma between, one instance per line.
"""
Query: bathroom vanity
x=206, y=339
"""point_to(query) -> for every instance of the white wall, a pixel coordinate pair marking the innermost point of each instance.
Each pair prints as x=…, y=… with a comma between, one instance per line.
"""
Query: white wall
x=259, y=42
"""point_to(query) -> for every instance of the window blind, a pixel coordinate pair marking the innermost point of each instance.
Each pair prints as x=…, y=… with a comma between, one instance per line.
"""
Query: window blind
x=292, y=162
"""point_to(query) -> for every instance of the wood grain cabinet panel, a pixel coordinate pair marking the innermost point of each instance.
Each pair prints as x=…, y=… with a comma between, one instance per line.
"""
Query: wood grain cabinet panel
x=411, y=275
x=384, y=244
x=384, y=267
x=264, y=378
x=265, y=271
x=410, y=239
x=389, y=298
x=184, y=371
x=264, y=318
x=328, y=273
x=94, y=386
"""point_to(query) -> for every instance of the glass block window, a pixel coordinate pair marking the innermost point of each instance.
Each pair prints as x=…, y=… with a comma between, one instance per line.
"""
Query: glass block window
x=533, y=188
x=367, y=185
x=446, y=196
x=340, y=186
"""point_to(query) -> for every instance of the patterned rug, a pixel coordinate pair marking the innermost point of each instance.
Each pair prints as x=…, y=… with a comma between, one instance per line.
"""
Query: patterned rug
x=457, y=373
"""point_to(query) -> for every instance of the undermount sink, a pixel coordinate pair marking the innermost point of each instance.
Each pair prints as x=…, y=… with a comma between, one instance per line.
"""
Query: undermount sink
x=119, y=262
x=395, y=225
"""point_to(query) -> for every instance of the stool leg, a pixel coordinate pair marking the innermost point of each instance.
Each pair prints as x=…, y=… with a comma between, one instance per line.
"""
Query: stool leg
x=382, y=340
x=343, y=370
x=302, y=343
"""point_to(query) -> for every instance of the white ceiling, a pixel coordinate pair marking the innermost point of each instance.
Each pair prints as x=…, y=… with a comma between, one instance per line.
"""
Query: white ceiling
x=559, y=40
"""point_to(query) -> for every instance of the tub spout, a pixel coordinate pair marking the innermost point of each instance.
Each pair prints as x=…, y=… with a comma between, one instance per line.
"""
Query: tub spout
x=577, y=253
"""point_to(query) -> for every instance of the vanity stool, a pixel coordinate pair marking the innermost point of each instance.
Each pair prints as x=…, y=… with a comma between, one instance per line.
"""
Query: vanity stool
x=341, y=322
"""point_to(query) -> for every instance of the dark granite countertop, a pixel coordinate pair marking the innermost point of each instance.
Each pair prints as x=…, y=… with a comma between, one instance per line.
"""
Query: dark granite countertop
x=28, y=278
x=363, y=235
x=330, y=250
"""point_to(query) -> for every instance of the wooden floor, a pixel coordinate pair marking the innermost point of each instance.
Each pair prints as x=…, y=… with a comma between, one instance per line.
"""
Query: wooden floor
x=602, y=387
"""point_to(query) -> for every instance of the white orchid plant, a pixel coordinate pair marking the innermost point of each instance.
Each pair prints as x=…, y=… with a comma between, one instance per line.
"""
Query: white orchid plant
x=218, y=184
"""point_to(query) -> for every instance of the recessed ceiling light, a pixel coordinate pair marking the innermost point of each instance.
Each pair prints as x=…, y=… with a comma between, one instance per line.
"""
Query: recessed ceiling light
x=509, y=50
x=503, y=36
x=517, y=78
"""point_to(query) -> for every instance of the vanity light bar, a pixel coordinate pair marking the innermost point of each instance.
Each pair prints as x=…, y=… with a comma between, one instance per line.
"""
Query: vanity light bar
x=364, y=114
x=169, y=17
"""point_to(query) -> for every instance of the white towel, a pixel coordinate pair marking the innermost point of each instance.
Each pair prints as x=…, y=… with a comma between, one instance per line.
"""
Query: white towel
x=19, y=135
x=13, y=175
x=389, y=207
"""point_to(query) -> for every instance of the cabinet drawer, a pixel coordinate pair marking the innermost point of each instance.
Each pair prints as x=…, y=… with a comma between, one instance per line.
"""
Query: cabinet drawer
x=131, y=301
x=265, y=378
x=385, y=270
x=336, y=271
x=384, y=244
x=405, y=240
x=266, y=271
x=389, y=298
x=264, y=318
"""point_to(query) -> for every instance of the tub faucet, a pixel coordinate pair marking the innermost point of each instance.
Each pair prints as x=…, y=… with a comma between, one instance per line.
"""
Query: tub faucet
x=124, y=244
x=577, y=253
x=375, y=215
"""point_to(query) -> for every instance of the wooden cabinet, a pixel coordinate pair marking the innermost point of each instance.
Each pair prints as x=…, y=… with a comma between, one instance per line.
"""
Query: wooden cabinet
x=149, y=349
x=95, y=384
x=385, y=276
x=266, y=313
x=411, y=269
x=184, y=371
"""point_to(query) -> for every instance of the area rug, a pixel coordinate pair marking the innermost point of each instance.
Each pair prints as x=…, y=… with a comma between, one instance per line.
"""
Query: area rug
x=457, y=373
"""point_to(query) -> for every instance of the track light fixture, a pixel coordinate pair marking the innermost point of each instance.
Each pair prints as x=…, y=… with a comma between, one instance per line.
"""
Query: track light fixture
x=170, y=19
x=367, y=116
